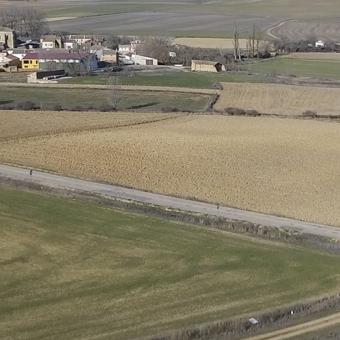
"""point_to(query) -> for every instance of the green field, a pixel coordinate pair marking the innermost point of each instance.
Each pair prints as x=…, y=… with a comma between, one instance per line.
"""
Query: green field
x=178, y=79
x=77, y=270
x=83, y=99
x=322, y=69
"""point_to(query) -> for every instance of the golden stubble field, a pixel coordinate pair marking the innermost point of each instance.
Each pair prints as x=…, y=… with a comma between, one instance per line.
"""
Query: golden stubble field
x=18, y=124
x=280, y=99
x=280, y=166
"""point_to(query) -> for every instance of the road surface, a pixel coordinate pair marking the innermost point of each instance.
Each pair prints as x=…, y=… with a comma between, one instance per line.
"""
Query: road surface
x=113, y=191
x=270, y=30
x=301, y=329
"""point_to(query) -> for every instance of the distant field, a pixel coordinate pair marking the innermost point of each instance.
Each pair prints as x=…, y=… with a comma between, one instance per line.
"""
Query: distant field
x=280, y=99
x=321, y=56
x=320, y=68
x=201, y=80
x=82, y=99
x=218, y=43
x=76, y=270
x=199, y=18
x=278, y=166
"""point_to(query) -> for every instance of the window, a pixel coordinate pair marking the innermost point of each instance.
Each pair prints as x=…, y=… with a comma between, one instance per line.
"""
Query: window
x=26, y=61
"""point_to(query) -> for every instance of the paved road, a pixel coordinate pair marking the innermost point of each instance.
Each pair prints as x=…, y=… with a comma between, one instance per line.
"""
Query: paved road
x=62, y=182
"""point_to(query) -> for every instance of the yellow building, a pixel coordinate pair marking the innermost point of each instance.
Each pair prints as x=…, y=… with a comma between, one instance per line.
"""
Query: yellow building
x=30, y=62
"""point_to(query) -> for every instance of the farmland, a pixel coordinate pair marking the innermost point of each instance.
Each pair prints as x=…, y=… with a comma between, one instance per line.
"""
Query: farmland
x=85, y=271
x=176, y=79
x=83, y=99
x=191, y=17
x=304, y=65
x=276, y=166
x=36, y=123
x=280, y=99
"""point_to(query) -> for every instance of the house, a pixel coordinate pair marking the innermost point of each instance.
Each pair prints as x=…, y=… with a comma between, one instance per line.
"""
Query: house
x=51, y=41
x=206, y=66
x=8, y=62
x=70, y=44
x=80, y=39
x=320, y=44
x=18, y=52
x=126, y=49
x=7, y=38
x=109, y=56
x=71, y=62
x=30, y=62
x=145, y=61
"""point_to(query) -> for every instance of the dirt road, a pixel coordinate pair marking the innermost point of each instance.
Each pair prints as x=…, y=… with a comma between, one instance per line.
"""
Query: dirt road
x=304, y=328
x=112, y=191
x=121, y=87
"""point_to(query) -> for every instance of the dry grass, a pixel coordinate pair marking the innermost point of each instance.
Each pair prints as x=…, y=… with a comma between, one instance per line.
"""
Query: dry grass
x=285, y=167
x=18, y=124
x=280, y=99
x=328, y=56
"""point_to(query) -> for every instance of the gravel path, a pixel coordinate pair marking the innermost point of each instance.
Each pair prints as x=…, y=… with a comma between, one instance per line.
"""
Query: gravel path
x=112, y=191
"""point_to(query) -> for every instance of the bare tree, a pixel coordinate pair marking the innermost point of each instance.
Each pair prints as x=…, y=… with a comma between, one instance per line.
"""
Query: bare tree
x=157, y=48
x=115, y=93
x=25, y=21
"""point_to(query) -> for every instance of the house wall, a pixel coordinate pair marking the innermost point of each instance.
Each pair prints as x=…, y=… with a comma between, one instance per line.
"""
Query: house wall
x=110, y=58
x=11, y=41
x=47, y=44
x=30, y=64
x=146, y=61
x=200, y=67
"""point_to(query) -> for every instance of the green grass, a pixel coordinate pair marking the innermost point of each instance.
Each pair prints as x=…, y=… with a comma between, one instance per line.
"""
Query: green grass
x=83, y=99
x=301, y=68
x=77, y=270
x=201, y=80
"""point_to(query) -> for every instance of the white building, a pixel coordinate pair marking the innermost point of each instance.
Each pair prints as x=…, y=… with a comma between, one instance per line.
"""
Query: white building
x=319, y=44
x=126, y=49
x=70, y=45
x=145, y=61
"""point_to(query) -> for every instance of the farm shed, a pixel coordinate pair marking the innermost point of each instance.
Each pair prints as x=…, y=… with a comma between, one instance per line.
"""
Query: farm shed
x=145, y=61
x=206, y=66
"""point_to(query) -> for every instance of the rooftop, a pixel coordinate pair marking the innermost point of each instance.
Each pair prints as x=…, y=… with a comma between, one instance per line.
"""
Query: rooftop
x=5, y=29
x=56, y=54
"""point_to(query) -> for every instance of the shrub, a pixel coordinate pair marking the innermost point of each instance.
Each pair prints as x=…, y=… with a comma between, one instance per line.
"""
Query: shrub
x=27, y=105
x=310, y=114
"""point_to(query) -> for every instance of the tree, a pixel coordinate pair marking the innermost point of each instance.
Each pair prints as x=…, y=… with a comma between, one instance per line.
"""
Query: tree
x=115, y=94
x=157, y=48
x=25, y=21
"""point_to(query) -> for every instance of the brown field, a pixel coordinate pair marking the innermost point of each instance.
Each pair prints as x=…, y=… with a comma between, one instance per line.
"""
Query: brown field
x=328, y=56
x=18, y=124
x=280, y=99
x=219, y=43
x=279, y=166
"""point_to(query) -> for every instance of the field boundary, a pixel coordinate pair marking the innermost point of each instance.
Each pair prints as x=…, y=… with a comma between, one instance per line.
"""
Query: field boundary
x=137, y=88
x=285, y=234
x=90, y=128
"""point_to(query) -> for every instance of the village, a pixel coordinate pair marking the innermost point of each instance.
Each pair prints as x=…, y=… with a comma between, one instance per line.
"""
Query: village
x=53, y=56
